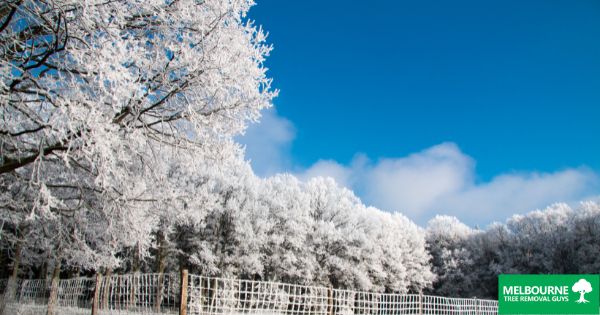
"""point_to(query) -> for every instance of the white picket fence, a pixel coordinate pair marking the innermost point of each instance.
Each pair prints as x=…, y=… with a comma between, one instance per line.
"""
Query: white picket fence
x=153, y=294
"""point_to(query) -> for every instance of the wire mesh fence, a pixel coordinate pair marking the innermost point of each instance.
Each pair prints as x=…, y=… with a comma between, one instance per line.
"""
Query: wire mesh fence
x=153, y=294
x=139, y=293
x=214, y=296
x=209, y=295
x=117, y=294
x=33, y=291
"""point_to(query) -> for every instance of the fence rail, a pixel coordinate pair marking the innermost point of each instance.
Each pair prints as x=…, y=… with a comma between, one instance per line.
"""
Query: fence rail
x=153, y=294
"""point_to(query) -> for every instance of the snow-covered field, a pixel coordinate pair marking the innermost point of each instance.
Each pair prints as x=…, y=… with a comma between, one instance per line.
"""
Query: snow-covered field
x=40, y=309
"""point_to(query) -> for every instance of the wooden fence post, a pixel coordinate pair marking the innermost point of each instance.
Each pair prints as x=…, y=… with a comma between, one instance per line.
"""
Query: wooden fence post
x=96, y=299
x=330, y=306
x=183, y=292
x=420, y=303
x=52, y=301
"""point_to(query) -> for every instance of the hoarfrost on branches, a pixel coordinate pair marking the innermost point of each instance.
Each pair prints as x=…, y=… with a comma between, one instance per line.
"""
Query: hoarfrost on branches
x=97, y=95
x=557, y=240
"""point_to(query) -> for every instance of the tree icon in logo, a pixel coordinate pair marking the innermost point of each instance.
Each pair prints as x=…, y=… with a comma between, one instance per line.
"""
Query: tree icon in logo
x=582, y=287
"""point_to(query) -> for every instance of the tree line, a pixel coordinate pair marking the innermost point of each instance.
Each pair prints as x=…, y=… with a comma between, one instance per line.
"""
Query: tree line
x=557, y=240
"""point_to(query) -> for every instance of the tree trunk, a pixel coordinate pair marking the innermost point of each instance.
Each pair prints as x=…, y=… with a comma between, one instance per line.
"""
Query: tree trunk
x=161, y=255
x=17, y=260
x=11, y=285
x=53, y=300
x=96, y=299
x=136, y=261
x=44, y=271
x=161, y=265
x=135, y=268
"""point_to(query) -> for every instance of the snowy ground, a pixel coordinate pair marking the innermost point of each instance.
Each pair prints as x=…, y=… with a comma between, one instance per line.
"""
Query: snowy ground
x=38, y=309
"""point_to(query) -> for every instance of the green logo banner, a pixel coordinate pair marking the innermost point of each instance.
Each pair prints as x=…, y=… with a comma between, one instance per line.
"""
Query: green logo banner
x=548, y=294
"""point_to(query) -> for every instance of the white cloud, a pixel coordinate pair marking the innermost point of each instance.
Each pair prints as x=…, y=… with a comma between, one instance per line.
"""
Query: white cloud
x=268, y=143
x=413, y=184
x=328, y=168
x=508, y=194
x=440, y=180
x=347, y=176
x=437, y=180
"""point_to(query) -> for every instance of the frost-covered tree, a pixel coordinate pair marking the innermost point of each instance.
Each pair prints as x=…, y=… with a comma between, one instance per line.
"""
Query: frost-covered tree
x=96, y=93
x=558, y=239
x=363, y=247
x=447, y=239
x=337, y=236
x=405, y=259
x=226, y=241
x=82, y=78
x=534, y=231
x=585, y=238
x=489, y=252
x=287, y=227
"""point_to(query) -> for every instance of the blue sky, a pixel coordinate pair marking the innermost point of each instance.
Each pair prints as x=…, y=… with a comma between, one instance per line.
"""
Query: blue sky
x=489, y=102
